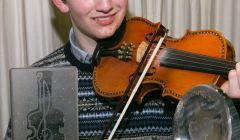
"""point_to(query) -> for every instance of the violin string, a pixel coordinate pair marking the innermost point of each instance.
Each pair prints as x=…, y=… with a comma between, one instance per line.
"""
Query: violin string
x=212, y=62
x=196, y=67
x=199, y=63
x=194, y=55
x=206, y=60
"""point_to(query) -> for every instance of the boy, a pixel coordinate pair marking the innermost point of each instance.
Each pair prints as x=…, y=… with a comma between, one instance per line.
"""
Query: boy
x=101, y=21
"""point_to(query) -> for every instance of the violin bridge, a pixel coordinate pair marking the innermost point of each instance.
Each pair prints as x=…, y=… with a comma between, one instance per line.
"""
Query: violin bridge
x=140, y=51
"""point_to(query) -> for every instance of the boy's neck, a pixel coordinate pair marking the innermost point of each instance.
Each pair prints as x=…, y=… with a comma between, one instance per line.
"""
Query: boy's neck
x=84, y=42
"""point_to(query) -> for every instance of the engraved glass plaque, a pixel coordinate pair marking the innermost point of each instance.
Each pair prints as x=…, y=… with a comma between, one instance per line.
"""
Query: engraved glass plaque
x=44, y=103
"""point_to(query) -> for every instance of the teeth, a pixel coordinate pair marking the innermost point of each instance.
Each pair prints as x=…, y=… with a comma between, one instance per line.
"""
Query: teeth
x=103, y=18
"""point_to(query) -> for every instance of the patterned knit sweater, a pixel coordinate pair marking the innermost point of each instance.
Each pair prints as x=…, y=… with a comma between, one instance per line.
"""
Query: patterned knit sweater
x=150, y=121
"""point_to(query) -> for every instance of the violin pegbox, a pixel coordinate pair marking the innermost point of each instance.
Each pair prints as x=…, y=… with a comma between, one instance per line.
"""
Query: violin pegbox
x=125, y=52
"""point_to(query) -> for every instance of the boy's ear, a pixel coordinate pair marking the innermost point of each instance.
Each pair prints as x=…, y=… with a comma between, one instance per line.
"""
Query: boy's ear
x=63, y=7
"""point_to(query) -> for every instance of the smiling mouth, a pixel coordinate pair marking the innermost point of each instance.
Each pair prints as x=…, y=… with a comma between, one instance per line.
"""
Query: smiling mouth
x=104, y=20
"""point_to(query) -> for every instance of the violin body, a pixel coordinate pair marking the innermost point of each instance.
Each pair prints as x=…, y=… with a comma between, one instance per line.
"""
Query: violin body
x=111, y=77
x=204, y=42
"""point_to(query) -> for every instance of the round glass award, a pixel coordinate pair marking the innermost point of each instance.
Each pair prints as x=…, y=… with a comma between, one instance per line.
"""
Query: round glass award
x=206, y=113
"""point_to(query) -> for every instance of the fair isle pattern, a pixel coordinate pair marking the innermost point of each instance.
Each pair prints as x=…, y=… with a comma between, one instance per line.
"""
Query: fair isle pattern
x=55, y=59
x=148, y=122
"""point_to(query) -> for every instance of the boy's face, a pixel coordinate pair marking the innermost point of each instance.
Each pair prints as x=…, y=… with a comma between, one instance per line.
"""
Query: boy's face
x=97, y=19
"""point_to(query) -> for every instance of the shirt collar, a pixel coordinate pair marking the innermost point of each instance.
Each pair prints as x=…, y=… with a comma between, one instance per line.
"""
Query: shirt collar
x=80, y=54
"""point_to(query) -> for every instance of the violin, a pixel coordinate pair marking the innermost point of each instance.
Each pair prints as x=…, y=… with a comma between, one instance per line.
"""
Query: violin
x=199, y=57
x=147, y=60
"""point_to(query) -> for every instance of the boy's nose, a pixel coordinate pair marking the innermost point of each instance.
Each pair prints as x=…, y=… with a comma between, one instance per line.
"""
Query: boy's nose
x=104, y=5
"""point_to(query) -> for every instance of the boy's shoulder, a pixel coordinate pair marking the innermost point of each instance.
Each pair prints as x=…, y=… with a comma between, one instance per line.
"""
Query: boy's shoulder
x=56, y=58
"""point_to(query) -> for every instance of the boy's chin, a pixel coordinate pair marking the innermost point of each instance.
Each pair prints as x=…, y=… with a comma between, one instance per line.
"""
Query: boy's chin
x=105, y=35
